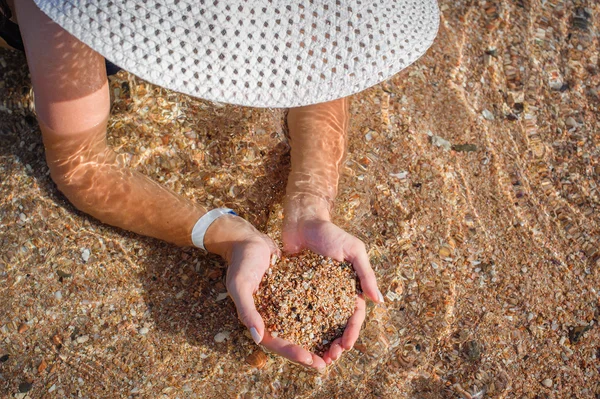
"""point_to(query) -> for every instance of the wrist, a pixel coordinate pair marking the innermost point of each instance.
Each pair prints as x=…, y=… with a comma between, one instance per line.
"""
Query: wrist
x=304, y=207
x=218, y=238
x=208, y=231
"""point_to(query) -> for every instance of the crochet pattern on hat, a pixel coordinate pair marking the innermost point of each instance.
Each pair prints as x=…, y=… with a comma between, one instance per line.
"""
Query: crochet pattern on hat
x=255, y=53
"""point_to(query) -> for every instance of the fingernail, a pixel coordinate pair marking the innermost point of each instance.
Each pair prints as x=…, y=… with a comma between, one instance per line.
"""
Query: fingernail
x=322, y=369
x=380, y=296
x=255, y=335
x=309, y=361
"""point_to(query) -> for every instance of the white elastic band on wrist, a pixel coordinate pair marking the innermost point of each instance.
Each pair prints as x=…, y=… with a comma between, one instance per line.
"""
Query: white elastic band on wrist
x=204, y=223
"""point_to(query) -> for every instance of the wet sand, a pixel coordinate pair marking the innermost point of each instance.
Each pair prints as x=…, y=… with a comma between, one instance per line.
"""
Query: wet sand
x=473, y=176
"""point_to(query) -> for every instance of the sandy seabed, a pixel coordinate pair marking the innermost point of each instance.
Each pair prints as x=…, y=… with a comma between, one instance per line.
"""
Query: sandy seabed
x=473, y=176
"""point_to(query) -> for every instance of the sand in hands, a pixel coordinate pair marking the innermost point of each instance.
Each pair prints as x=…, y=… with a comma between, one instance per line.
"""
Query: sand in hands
x=307, y=299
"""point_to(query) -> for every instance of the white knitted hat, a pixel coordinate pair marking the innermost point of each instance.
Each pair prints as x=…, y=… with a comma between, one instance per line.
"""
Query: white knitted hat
x=261, y=53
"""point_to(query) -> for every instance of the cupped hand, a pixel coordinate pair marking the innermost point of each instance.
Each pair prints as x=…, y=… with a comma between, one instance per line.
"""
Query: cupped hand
x=327, y=239
x=248, y=254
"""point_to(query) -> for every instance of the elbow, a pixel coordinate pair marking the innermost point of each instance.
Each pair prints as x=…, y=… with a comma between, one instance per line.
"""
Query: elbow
x=76, y=186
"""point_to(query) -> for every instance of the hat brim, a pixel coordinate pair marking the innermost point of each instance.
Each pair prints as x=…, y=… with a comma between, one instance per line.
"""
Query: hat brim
x=254, y=54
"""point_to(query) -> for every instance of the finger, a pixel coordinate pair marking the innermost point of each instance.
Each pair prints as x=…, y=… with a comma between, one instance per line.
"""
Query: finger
x=354, y=324
x=318, y=363
x=241, y=293
x=273, y=248
x=292, y=352
x=356, y=254
x=334, y=352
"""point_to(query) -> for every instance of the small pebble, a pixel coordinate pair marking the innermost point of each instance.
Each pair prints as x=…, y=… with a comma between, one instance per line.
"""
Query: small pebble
x=571, y=122
x=576, y=333
x=472, y=351
x=63, y=274
x=83, y=339
x=399, y=175
x=488, y=115
x=464, y=147
x=85, y=254
x=57, y=340
x=23, y=327
x=42, y=366
x=222, y=336
x=556, y=84
x=143, y=331
x=222, y=296
x=547, y=383
x=441, y=142
x=58, y=295
x=25, y=387
x=445, y=251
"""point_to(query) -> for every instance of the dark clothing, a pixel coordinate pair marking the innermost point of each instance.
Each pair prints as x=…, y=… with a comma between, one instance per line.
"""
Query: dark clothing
x=9, y=31
x=4, y=12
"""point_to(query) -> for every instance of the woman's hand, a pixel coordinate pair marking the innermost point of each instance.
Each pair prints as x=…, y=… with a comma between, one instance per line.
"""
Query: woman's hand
x=323, y=237
x=248, y=254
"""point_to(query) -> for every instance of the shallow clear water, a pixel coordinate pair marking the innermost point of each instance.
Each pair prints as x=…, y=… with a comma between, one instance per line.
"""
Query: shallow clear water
x=490, y=255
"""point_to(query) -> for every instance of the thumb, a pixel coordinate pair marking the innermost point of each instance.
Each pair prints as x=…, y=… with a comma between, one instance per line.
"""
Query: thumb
x=247, y=313
x=356, y=254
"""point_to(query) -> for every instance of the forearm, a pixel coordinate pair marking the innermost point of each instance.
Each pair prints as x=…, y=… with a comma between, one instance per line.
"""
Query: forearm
x=318, y=135
x=88, y=173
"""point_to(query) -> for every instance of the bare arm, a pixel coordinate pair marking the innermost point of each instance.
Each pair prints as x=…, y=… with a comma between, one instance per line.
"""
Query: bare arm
x=318, y=137
x=72, y=105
